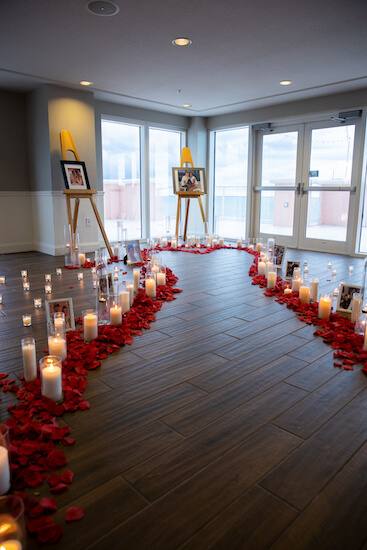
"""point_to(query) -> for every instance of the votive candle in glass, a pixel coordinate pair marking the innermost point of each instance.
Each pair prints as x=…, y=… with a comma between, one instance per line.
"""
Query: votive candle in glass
x=150, y=285
x=48, y=289
x=324, y=306
x=296, y=283
x=48, y=277
x=51, y=377
x=24, y=273
x=80, y=276
x=174, y=243
x=208, y=240
x=29, y=359
x=221, y=241
x=115, y=275
x=90, y=324
x=2, y=279
x=239, y=243
x=1, y=298
x=272, y=279
x=58, y=271
x=37, y=302
x=57, y=345
x=351, y=269
x=161, y=276
x=356, y=306
x=287, y=287
x=27, y=320
x=336, y=291
x=26, y=285
x=12, y=522
x=128, y=262
x=4, y=460
x=314, y=289
x=115, y=312
x=261, y=267
x=329, y=265
x=333, y=272
x=304, y=294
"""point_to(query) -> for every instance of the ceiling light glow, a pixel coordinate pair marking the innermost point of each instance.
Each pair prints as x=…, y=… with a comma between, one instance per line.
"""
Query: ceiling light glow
x=285, y=82
x=181, y=41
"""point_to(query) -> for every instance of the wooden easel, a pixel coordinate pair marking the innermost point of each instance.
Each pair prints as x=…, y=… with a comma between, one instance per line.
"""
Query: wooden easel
x=186, y=157
x=67, y=144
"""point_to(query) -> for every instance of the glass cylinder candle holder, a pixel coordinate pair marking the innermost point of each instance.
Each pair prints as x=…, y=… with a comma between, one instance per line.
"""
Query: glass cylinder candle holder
x=51, y=377
x=208, y=241
x=81, y=258
x=80, y=276
x=103, y=307
x=24, y=273
x=314, y=289
x=27, y=320
x=329, y=265
x=174, y=243
x=26, y=286
x=287, y=287
x=271, y=278
x=48, y=277
x=57, y=341
x=68, y=246
x=304, y=293
x=296, y=273
x=59, y=323
x=58, y=271
x=116, y=250
x=296, y=283
x=239, y=242
x=324, y=306
x=1, y=298
x=115, y=311
x=130, y=290
x=150, y=285
x=90, y=324
x=124, y=298
x=305, y=269
x=164, y=242
x=161, y=275
x=12, y=523
x=48, y=288
x=261, y=265
x=4, y=460
x=336, y=291
x=259, y=244
x=215, y=241
x=115, y=275
x=136, y=274
x=2, y=279
x=361, y=324
x=29, y=359
x=356, y=306
x=221, y=241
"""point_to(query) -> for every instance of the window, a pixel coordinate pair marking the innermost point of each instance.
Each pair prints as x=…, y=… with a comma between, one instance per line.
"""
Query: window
x=230, y=182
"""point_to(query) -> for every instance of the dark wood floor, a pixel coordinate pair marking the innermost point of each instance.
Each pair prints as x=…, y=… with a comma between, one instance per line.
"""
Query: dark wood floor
x=225, y=425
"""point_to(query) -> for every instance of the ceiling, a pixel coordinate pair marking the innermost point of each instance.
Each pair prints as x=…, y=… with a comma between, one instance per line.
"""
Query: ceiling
x=240, y=51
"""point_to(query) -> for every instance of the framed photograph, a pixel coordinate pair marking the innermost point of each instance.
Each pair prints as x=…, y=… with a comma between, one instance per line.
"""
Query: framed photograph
x=291, y=266
x=345, y=298
x=64, y=305
x=189, y=180
x=75, y=174
x=133, y=251
x=279, y=254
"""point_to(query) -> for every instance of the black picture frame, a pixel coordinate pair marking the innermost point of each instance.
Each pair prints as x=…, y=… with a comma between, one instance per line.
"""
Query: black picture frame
x=75, y=175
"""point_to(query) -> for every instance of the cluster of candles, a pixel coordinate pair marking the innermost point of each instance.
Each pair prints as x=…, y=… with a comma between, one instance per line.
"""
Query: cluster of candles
x=191, y=240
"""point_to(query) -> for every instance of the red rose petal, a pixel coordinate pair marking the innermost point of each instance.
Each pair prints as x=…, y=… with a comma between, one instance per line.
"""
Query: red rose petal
x=50, y=534
x=35, y=525
x=58, y=488
x=48, y=504
x=67, y=476
x=74, y=513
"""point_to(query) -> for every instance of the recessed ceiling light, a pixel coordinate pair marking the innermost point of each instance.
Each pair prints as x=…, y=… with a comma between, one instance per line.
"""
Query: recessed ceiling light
x=186, y=105
x=181, y=41
x=85, y=83
x=103, y=8
x=285, y=82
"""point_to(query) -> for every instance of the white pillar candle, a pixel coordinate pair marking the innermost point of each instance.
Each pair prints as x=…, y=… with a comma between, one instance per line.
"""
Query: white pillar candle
x=116, y=250
x=4, y=471
x=81, y=258
x=324, y=307
x=314, y=289
x=159, y=240
x=198, y=241
x=304, y=294
x=150, y=287
x=11, y=544
x=215, y=241
x=268, y=267
x=115, y=315
x=259, y=247
x=261, y=268
x=356, y=307
x=208, y=240
x=164, y=241
x=130, y=289
x=29, y=359
x=189, y=241
x=52, y=382
x=161, y=278
x=239, y=243
x=221, y=241
x=90, y=326
x=272, y=279
x=174, y=242
x=124, y=299
x=57, y=346
x=296, y=283
x=136, y=273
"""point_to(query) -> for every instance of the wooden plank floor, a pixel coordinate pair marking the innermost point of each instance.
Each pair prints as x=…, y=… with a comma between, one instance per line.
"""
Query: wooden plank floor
x=224, y=426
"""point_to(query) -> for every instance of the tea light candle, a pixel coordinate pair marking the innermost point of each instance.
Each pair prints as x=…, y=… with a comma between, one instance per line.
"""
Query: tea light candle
x=130, y=290
x=336, y=291
x=261, y=268
x=4, y=472
x=161, y=278
x=37, y=302
x=272, y=279
x=314, y=289
x=2, y=280
x=164, y=241
x=81, y=258
x=259, y=247
x=136, y=273
x=27, y=320
x=48, y=277
x=80, y=276
x=296, y=283
x=29, y=359
x=93, y=270
x=351, y=269
x=287, y=290
x=221, y=241
x=324, y=307
x=304, y=294
x=124, y=300
x=128, y=262
x=115, y=275
x=24, y=273
x=115, y=315
x=11, y=544
x=26, y=285
x=48, y=289
x=333, y=272
x=58, y=271
x=90, y=326
x=329, y=265
x=150, y=288
x=57, y=346
x=52, y=381
x=305, y=269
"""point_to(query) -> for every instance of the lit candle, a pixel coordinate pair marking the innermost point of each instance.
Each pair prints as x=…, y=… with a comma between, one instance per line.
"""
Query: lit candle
x=130, y=289
x=29, y=359
x=90, y=325
x=24, y=273
x=136, y=273
x=159, y=240
x=239, y=243
x=351, y=268
x=208, y=240
x=324, y=307
x=304, y=294
x=57, y=346
x=272, y=279
x=80, y=276
x=93, y=270
x=287, y=290
x=11, y=544
x=26, y=285
x=116, y=250
x=365, y=341
x=305, y=269
x=296, y=283
x=189, y=241
x=51, y=377
x=58, y=271
x=37, y=302
x=150, y=289
x=174, y=242
x=128, y=262
x=356, y=306
x=296, y=273
x=115, y=315
x=48, y=289
x=259, y=247
x=314, y=289
x=2, y=280
x=164, y=241
x=124, y=300
x=48, y=277
x=251, y=247
x=329, y=265
x=333, y=272
x=27, y=320
x=268, y=267
x=161, y=278
x=1, y=298
x=81, y=258
x=336, y=291
x=4, y=471
x=221, y=241
x=261, y=268
x=115, y=275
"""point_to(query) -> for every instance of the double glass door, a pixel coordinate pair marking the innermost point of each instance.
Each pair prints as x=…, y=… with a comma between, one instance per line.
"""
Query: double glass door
x=305, y=189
